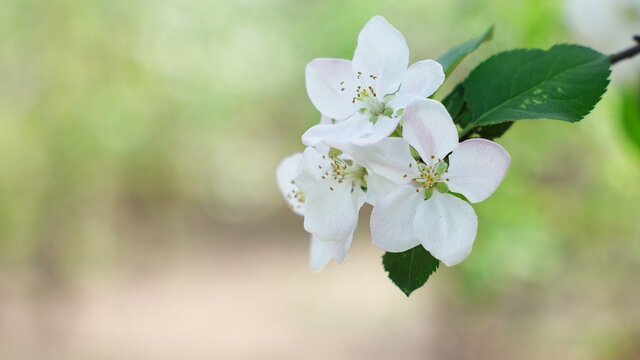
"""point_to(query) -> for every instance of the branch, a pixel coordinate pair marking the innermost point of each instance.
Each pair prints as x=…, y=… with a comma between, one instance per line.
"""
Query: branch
x=628, y=53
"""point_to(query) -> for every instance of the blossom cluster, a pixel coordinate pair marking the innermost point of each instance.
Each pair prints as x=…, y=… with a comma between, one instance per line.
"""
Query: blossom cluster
x=382, y=141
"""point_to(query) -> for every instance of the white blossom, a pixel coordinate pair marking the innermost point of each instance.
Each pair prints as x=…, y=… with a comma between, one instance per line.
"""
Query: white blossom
x=414, y=205
x=364, y=95
x=328, y=190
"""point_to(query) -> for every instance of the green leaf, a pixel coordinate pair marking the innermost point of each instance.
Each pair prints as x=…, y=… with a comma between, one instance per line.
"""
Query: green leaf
x=409, y=270
x=456, y=106
x=563, y=83
x=454, y=102
x=453, y=57
x=491, y=132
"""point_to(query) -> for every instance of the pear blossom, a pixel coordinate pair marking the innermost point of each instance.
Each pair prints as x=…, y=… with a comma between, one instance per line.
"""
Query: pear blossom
x=364, y=95
x=417, y=208
x=328, y=190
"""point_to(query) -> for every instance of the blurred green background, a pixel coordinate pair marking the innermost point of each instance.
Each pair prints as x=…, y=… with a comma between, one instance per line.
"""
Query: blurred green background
x=139, y=216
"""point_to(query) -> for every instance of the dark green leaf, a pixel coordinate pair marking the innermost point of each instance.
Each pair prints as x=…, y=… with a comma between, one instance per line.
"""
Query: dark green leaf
x=454, y=101
x=464, y=118
x=409, y=270
x=491, y=132
x=564, y=83
x=453, y=57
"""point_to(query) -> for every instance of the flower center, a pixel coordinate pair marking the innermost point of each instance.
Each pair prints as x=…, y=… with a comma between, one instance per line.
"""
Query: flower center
x=341, y=170
x=366, y=93
x=431, y=176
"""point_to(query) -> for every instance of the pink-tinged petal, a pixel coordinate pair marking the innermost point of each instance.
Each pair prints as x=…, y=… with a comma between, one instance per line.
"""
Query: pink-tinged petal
x=378, y=187
x=446, y=227
x=332, y=215
x=383, y=127
x=477, y=167
x=392, y=220
x=428, y=127
x=325, y=79
x=421, y=80
x=382, y=51
x=390, y=158
x=347, y=130
x=286, y=172
x=319, y=254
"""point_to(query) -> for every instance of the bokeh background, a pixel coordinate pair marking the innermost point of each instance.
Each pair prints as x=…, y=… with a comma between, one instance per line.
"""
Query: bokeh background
x=140, y=219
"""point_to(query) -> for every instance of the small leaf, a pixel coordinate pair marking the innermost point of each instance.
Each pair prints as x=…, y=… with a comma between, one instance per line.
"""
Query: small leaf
x=410, y=269
x=563, y=83
x=453, y=57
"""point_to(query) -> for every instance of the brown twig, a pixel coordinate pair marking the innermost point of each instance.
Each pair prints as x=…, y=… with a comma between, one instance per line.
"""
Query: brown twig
x=628, y=53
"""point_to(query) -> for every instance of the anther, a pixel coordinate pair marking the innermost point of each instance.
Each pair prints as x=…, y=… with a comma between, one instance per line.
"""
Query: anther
x=433, y=157
x=404, y=176
x=447, y=179
x=331, y=188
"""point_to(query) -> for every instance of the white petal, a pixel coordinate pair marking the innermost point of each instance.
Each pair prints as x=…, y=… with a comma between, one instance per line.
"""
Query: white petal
x=339, y=133
x=422, y=79
x=390, y=158
x=392, y=220
x=325, y=79
x=324, y=119
x=319, y=254
x=378, y=187
x=382, y=51
x=332, y=215
x=477, y=167
x=286, y=172
x=446, y=227
x=428, y=127
x=322, y=147
x=339, y=249
x=312, y=166
x=383, y=127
